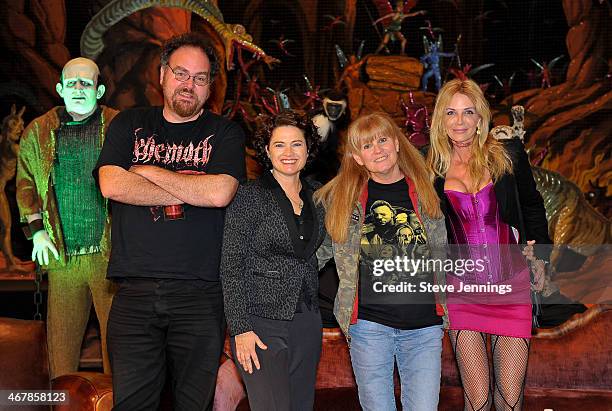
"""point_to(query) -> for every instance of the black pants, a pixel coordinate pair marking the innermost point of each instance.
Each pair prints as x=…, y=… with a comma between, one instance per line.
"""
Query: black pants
x=154, y=324
x=286, y=379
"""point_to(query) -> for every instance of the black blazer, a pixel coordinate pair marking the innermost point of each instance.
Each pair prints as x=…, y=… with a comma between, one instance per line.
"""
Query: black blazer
x=512, y=190
x=261, y=271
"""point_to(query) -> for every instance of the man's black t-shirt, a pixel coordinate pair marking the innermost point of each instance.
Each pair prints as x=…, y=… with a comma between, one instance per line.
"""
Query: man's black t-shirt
x=391, y=226
x=146, y=241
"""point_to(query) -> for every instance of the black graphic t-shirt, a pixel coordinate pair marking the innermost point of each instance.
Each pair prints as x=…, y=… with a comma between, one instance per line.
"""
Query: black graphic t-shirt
x=165, y=242
x=392, y=228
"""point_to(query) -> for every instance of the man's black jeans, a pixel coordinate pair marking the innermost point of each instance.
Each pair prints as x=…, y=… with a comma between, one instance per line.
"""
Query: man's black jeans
x=160, y=325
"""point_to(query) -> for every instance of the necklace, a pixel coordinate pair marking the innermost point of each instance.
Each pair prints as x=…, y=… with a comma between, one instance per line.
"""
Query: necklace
x=466, y=143
x=299, y=201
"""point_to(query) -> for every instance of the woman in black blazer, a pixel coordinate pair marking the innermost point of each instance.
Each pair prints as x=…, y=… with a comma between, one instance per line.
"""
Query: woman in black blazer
x=269, y=270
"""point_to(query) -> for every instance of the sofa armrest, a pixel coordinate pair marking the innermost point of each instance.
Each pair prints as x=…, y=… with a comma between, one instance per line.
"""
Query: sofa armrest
x=87, y=391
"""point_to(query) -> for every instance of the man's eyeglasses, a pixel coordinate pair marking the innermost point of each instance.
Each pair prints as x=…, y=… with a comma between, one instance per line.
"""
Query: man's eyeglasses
x=183, y=76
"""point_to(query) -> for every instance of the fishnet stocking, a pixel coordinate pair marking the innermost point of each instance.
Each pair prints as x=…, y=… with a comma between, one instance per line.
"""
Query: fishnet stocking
x=510, y=357
x=470, y=349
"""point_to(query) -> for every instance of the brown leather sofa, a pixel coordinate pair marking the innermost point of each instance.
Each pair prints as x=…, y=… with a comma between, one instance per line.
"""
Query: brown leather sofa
x=569, y=369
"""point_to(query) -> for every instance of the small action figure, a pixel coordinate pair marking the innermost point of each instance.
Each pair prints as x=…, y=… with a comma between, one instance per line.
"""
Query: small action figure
x=282, y=43
x=505, y=84
x=546, y=69
x=280, y=101
x=312, y=94
x=431, y=61
x=392, y=21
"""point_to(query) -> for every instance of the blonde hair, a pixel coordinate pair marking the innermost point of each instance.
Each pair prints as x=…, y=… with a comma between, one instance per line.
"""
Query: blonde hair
x=342, y=193
x=487, y=152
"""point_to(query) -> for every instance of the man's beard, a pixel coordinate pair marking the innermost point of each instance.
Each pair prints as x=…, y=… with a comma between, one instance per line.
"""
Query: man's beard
x=184, y=108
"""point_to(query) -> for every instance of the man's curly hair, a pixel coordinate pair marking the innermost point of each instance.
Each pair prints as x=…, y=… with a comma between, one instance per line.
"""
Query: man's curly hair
x=268, y=124
x=195, y=40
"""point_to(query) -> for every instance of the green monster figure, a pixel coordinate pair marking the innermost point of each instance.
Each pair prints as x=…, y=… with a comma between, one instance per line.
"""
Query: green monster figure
x=66, y=214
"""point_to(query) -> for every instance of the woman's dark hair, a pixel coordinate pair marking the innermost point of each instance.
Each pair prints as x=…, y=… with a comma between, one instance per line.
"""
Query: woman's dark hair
x=190, y=40
x=268, y=124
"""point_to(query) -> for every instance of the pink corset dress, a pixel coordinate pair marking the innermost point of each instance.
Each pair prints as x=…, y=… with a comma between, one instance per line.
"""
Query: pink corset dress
x=477, y=227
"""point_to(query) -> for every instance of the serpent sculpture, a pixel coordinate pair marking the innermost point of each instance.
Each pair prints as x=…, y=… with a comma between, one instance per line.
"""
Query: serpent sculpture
x=232, y=35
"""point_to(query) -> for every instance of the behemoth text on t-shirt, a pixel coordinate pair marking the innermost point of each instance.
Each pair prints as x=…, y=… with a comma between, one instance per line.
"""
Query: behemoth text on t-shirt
x=165, y=242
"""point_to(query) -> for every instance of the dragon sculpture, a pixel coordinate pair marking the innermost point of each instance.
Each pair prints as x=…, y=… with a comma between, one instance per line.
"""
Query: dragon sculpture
x=572, y=220
x=232, y=35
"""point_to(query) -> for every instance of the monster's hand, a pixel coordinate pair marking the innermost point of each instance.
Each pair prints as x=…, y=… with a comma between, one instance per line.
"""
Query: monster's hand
x=42, y=246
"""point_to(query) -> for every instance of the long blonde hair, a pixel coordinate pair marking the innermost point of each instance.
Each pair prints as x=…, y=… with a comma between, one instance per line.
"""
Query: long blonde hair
x=487, y=152
x=342, y=193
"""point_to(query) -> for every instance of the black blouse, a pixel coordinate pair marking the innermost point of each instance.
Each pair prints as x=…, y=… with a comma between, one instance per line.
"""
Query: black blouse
x=300, y=226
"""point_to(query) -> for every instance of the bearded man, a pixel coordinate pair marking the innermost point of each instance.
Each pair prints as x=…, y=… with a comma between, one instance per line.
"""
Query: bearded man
x=169, y=172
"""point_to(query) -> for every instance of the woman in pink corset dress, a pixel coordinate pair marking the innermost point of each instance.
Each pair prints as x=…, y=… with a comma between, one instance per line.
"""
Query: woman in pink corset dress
x=487, y=194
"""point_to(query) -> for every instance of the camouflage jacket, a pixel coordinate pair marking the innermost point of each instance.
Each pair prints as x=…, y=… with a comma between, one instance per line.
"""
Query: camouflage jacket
x=347, y=255
x=35, y=192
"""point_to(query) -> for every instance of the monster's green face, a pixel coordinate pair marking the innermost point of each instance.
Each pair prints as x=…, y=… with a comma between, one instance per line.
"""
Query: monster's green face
x=79, y=87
